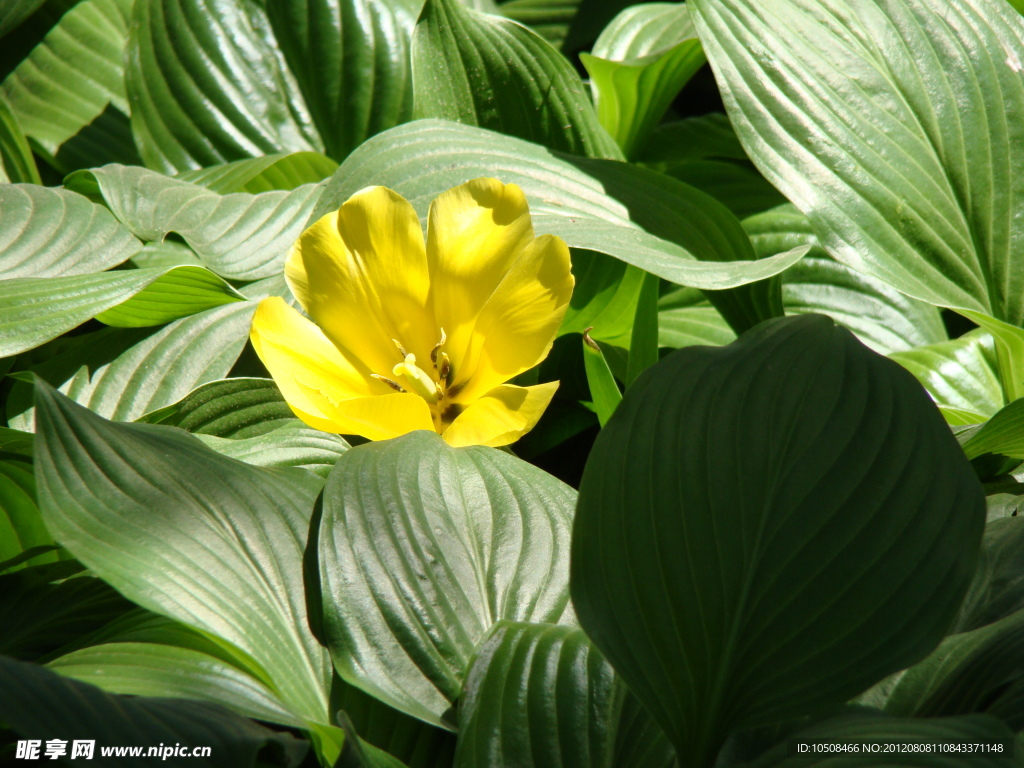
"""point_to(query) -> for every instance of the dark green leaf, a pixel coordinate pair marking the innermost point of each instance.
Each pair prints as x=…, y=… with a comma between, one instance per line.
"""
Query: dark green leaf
x=643, y=341
x=237, y=408
x=420, y=549
x=13, y=12
x=16, y=161
x=493, y=73
x=604, y=297
x=263, y=174
x=768, y=528
x=21, y=527
x=998, y=586
x=40, y=704
x=351, y=61
x=548, y=18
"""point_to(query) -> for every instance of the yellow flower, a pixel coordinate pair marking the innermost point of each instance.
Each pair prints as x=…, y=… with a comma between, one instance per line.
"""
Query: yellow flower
x=411, y=335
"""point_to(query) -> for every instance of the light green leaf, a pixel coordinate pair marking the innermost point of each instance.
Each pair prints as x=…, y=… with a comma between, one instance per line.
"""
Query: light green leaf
x=643, y=340
x=239, y=236
x=263, y=174
x=420, y=549
x=639, y=63
x=51, y=232
x=870, y=726
x=122, y=374
x=73, y=76
x=686, y=326
x=16, y=161
x=34, y=310
x=881, y=317
x=220, y=93
x=494, y=73
x=961, y=375
x=604, y=297
x=852, y=110
x=352, y=63
x=538, y=696
x=221, y=553
x=1009, y=342
x=1002, y=434
x=295, y=445
x=153, y=669
x=768, y=528
x=635, y=215
x=604, y=390
x=39, y=704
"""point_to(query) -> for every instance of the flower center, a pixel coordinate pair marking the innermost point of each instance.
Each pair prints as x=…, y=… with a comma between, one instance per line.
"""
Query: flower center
x=408, y=376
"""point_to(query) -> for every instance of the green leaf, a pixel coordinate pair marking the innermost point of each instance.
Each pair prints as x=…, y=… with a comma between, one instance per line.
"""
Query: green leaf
x=39, y=703
x=604, y=297
x=21, y=527
x=40, y=617
x=1002, y=434
x=294, y=445
x=538, y=696
x=635, y=215
x=766, y=529
x=978, y=671
x=237, y=408
x=263, y=174
x=122, y=374
x=548, y=18
x=34, y=310
x=686, y=326
x=998, y=586
x=640, y=742
x=420, y=549
x=154, y=669
x=707, y=137
x=870, y=726
x=737, y=185
x=852, y=111
x=16, y=161
x=352, y=63
x=604, y=390
x=643, y=342
x=639, y=63
x=239, y=236
x=881, y=317
x=208, y=85
x=961, y=375
x=73, y=76
x=493, y=73
x=1009, y=342
x=13, y=12
x=53, y=232
x=221, y=552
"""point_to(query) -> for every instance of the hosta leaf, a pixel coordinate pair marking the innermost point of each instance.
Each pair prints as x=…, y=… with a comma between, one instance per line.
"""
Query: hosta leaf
x=998, y=586
x=221, y=552
x=263, y=174
x=237, y=407
x=494, y=73
x=39, y=704
x=768, y=528
x=155, y=669
x=420, y=549
x=13, y=12
x=604, y=297
x=34, y=310
x=16, y=161
x=1002, y=434
x=737, y=185
x=21, y=526
x=881, y=317
x=635, y=215
x=548, y=18
x=638, y=65
x=51, y=232
x=706, y=137
x=870, y=726
x=42, y=609
x=351, y=61
x=207, y=85
x=123, y=374
x=686, y=326
x=875, y=119
x=977, y=671
x=538, y=696
x=239, y=236
x=1009, y=341
x=961, y=375
x=295, y=445
x=73, y=76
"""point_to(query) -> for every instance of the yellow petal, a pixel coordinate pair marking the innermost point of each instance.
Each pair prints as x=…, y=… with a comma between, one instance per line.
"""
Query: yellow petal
x=381, y=417
x=361, y=274
x=500, y=417
x=308, y=369
x=474, y=234
x=517, y=325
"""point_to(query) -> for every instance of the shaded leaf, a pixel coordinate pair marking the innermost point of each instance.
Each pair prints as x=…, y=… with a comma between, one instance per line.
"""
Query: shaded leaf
x=263, y=174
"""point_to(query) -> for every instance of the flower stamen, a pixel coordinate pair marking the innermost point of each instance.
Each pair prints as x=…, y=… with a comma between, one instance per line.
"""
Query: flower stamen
x=393, y=384
x=416, y=379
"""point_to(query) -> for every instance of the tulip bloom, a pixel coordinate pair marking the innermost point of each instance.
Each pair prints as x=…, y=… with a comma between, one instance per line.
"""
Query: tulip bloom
x=409, y=335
